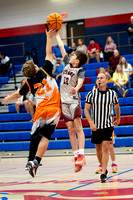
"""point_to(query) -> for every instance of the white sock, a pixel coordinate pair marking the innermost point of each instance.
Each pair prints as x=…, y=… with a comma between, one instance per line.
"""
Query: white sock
x=113, y=162
x=75, y=153
x=81, y=151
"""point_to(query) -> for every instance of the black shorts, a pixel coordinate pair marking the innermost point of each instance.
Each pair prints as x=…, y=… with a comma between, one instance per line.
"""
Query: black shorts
x=101, y=135
x=46, y=130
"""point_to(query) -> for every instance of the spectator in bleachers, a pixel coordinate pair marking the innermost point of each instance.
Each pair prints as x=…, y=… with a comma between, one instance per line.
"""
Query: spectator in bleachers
x=56, y=53
x=27, y=101
x=113, y=62
x=109, y=48
x=130, y=33
x=128, y=69
x=81, y=46
x=102, y=70
x=120, y=81
x=72, y=49
x=93, y=51
x=4, y=63
x=58, y=68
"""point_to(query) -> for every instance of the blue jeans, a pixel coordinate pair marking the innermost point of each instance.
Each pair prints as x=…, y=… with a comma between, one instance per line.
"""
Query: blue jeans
x=130, y=42
x=118, y=90
x=129, y=82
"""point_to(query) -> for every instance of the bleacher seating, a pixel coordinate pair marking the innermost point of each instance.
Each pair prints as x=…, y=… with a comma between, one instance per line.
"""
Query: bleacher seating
x=15, y=128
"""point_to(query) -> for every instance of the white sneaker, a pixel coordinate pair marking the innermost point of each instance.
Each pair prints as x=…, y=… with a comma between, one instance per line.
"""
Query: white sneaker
x=122, y=92
x=125, y=93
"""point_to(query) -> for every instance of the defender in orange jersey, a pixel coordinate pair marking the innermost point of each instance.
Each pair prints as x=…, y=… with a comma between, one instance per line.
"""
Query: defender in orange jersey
x=41, y=84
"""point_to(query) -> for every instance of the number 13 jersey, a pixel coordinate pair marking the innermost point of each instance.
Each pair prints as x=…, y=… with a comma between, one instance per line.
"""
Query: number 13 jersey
x=69, y=79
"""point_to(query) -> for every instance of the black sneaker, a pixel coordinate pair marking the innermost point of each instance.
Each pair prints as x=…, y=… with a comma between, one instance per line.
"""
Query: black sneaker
x=27, y=166
x=103, y=178
x=33, y=165
x=106, y=172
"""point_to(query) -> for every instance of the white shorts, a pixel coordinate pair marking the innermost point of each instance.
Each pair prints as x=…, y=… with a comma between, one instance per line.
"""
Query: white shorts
x=71, y=111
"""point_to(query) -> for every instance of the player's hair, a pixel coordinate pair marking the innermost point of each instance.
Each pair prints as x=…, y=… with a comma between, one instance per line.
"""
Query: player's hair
x=104, y=74
x=107, y=40
x=28, y=69
x=2, y=54
x=120, y=62
x=102, y=70
x=82, y=57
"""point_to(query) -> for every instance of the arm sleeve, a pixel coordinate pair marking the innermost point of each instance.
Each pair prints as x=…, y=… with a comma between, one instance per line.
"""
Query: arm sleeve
x=115, y=98
x=81, y=74
x=89, y=47
x=89, y=98
x=130, y=67
x=66, y=59
x=48, y=67
x=24, y=90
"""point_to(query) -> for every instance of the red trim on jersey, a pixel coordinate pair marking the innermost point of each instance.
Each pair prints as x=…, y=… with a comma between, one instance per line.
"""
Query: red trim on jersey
x=66, y=119
x=24, y=30
x=78, y=112
x=28, y=85
x=108, y=20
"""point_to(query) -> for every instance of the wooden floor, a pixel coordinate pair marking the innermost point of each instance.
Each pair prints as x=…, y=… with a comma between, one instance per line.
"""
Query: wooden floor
x=56, y=180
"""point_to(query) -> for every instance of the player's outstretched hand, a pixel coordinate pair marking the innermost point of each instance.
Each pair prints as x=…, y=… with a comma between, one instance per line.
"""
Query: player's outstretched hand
x=50, y=33
x=5, y=100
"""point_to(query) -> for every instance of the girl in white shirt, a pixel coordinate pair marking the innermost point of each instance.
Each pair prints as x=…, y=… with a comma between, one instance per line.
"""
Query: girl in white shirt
x=128, y=69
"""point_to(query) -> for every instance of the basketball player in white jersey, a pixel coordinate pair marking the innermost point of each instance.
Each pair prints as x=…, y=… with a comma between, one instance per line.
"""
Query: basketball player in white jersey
x=71, y=81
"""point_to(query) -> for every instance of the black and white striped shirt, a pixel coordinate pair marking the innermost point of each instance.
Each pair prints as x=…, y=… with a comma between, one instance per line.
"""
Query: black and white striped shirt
x=102, y=107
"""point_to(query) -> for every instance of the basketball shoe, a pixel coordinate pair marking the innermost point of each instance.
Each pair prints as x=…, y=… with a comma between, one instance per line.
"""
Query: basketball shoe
x=103, y=178
x=77, y=168
x=99, y=171
x=27, y=166
x=32, y=167
x=80, y=160
x=114, y=168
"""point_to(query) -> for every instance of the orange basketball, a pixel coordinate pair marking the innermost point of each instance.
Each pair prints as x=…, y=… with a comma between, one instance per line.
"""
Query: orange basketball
x=54, y=21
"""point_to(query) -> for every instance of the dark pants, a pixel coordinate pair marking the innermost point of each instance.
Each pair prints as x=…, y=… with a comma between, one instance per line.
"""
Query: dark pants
x=110, y=71
x=118, y=90
x=107, y=56
x=4, y=68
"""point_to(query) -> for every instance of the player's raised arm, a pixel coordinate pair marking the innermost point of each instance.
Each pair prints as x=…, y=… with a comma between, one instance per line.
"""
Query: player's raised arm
x=49, y=35
x=61, y=45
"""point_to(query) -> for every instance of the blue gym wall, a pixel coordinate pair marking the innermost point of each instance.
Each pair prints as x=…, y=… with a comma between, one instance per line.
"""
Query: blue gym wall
x=34, y=36
x=30, y=41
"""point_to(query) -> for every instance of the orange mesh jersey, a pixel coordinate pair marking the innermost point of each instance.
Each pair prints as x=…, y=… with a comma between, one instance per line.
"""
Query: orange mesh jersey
x=47, y=98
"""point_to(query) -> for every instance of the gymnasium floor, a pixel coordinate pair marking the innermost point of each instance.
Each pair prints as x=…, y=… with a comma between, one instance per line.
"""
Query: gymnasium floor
x=56, y=180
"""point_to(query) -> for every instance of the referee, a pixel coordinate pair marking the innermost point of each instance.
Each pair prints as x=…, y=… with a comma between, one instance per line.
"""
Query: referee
x=101, y=101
